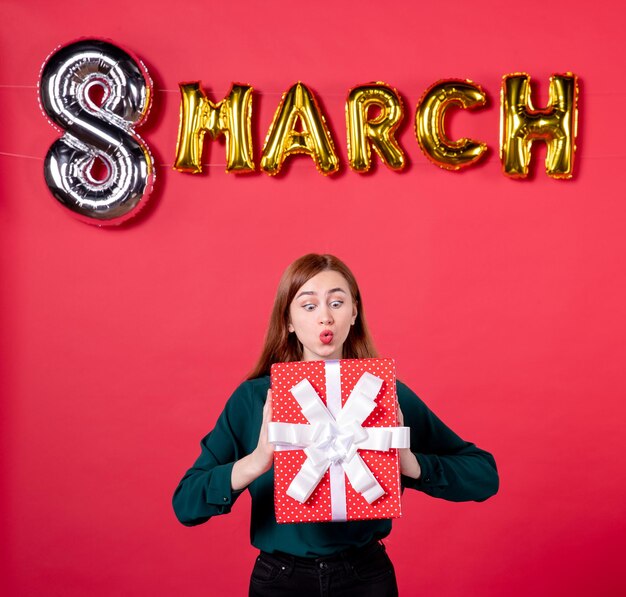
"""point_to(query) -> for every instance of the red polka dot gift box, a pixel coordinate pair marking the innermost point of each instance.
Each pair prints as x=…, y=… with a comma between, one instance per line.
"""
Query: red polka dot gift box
x=336, y=436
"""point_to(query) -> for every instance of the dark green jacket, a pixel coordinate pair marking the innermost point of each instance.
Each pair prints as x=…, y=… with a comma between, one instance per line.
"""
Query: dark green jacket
x=452, y=469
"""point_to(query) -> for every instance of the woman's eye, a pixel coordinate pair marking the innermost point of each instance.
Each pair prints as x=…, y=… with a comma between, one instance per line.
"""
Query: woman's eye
x=336, y=304
x=308, y=307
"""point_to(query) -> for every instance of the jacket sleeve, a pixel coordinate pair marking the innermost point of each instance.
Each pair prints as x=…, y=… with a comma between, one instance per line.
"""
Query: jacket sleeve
x=205, y=490
x=452, y=469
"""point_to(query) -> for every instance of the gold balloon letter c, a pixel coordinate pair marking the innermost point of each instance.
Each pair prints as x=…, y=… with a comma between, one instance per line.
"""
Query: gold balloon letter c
x=430, y=120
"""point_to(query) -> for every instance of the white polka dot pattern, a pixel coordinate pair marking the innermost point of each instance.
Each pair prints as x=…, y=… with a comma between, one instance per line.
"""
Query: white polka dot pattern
x=287, y=463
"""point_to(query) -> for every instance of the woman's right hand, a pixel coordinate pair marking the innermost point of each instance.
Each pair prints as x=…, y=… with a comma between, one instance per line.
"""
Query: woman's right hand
x=259, y=461
x=264, y=451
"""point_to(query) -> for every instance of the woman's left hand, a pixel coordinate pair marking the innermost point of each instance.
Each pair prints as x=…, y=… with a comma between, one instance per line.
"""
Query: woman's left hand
x=409, y=465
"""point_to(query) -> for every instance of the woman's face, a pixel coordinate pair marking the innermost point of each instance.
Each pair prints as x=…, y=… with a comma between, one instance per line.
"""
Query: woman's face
x=321, y=314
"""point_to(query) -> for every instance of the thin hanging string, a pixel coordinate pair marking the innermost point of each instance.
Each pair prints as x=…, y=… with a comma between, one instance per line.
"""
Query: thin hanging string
x=162, y=90
x=223, y=164
x=41, y=159
x=156, y=89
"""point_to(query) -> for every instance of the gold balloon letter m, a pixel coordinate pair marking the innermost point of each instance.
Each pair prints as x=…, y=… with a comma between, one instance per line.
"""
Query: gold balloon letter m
x=521, y=125
x=230, y=117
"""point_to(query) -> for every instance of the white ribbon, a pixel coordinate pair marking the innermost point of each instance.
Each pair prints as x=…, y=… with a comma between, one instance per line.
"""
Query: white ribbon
x=333, y=437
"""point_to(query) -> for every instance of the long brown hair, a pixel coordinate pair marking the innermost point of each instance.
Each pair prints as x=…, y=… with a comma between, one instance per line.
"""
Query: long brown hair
x=280, y=346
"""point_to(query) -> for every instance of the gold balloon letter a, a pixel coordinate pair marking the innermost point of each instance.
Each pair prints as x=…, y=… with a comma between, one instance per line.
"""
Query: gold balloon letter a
x=230, y=117
x=378, y=131
x=430, y=123
x=521, y=124
x=298, y=105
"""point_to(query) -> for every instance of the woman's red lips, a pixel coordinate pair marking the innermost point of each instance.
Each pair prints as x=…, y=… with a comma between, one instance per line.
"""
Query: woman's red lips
x=326, y=337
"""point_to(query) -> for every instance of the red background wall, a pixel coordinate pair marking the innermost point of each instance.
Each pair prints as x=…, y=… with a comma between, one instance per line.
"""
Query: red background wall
x=502, y=301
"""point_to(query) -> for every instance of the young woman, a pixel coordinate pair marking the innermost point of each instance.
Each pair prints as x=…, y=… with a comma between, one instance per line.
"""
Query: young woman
x=318, y=315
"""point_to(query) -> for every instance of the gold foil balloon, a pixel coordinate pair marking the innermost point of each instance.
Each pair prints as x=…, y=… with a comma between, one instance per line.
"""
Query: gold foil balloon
x=299, y=127
x=521, y=125
x=430, y=123
x=378, y=132
x=230, y=117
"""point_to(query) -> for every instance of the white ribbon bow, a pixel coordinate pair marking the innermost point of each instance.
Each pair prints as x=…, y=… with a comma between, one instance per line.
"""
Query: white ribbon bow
x=332, y=442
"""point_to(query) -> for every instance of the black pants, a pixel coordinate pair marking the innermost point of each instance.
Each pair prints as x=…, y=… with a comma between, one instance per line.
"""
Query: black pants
x=362, y=572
